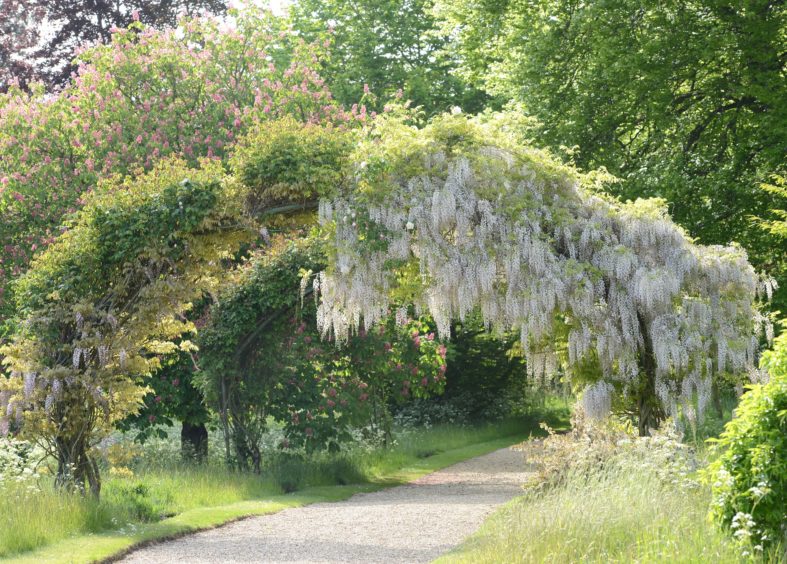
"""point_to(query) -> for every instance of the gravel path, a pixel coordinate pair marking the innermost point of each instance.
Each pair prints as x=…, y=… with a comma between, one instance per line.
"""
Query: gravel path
x=416, y=522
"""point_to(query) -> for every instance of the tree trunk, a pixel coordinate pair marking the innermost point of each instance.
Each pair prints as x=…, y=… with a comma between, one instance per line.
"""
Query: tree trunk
x=225, y=425
x=648, y=415
x=76, y=470
x=716, y=399
x=194, y=442
x=649, y=412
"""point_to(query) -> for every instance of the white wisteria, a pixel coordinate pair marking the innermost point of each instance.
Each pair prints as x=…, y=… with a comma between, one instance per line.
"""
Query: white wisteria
x=530, y=244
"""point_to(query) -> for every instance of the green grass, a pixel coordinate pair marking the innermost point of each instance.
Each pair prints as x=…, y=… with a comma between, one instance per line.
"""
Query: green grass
x=46, y=526
x=609, y=517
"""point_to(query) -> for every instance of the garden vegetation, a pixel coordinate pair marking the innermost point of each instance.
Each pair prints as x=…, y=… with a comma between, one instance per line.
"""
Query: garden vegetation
x=241, y=224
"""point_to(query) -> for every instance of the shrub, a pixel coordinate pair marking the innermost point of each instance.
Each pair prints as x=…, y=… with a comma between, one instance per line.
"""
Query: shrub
x=750, y=477
x=18, y=461
x=284, y=161
x=593, y=446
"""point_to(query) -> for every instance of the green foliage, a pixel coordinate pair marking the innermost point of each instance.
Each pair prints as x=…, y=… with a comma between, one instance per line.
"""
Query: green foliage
x=284, y=161
x=190, y=91
x=172, y=398
x=103, y=304
x=750, y=476
x=385, y=46
x=778, y=189
x=486, y=372
x=261, y=356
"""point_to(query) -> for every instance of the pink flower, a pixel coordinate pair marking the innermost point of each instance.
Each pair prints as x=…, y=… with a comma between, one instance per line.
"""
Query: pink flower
x=158, y=399
x=331, y=403
x=424, y=381
x=363, y=397
x=332, y=392
x=309, y=432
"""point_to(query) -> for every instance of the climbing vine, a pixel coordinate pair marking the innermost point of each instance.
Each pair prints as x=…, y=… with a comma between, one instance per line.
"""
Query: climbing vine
x=457, y=217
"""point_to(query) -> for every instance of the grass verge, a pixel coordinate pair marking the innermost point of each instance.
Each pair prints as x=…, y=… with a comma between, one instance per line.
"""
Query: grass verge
x=609, y=516
x=45, y=526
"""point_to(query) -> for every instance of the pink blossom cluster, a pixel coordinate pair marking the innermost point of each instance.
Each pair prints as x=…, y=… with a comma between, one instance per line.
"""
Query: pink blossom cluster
x=191, y=91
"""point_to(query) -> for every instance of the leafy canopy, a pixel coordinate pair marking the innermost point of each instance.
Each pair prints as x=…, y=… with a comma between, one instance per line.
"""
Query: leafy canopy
x=190, y=91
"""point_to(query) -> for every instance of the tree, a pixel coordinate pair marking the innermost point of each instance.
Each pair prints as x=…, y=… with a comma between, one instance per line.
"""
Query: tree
x=384, y=46
x=679, y=100
x=74, y=24
x=459, y=217
x=101, y=307
x=191, y=91
x=18, y=36
x=260, y=353
x=173, y=397
x=149, y=94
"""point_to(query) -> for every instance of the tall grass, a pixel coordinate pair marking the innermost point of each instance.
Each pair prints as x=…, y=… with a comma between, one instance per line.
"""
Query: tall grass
x=609, y=516
x=33, y=515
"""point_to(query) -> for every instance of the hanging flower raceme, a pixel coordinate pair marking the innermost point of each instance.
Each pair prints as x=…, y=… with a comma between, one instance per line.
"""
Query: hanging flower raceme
x=457, y=217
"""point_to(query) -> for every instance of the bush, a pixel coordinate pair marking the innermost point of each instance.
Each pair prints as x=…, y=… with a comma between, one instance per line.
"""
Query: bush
x=285, y=161
x=18, y=461
x=610, y=445
x=426, y=412
x=750, y=477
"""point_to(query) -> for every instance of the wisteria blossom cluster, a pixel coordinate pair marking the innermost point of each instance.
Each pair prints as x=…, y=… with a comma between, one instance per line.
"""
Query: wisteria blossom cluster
x=456, y=217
